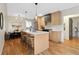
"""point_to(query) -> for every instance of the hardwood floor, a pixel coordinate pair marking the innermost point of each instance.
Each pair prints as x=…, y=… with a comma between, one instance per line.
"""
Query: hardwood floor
x=15, y=47
x=69, y=47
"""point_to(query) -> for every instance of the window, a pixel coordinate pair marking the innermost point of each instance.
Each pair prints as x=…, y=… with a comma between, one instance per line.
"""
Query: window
x=28, y=24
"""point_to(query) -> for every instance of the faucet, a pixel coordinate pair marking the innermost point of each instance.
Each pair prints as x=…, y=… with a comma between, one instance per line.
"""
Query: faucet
x=30, y=28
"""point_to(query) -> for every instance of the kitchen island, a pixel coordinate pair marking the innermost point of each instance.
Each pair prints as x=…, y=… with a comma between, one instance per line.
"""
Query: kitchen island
x=40, y=41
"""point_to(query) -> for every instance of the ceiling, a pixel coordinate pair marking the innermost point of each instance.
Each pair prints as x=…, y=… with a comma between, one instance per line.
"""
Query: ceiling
x=42, y=8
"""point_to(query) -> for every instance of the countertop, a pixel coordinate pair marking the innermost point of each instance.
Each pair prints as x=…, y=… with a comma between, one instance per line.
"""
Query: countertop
x=55, y=27
x=36, y=32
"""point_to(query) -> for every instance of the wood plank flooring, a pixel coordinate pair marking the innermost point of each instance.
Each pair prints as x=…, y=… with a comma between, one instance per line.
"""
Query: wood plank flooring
x=69, y=47
x=15, y=47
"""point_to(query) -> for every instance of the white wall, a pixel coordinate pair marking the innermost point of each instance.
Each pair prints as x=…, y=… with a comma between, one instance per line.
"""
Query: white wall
x=72, y=12
x=66, y=25
x=2, y=9
x=14, y=20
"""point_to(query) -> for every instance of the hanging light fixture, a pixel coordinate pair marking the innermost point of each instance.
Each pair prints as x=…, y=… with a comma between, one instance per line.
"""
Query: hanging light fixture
x=35, y=18
x=26, y=15
x=36, y=10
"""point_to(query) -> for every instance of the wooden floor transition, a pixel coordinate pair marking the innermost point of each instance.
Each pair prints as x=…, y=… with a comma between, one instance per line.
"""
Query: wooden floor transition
x=69, y=47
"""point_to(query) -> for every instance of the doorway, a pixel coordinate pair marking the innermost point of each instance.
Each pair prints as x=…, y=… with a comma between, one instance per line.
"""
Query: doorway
x=70, y=28
x=74, y=27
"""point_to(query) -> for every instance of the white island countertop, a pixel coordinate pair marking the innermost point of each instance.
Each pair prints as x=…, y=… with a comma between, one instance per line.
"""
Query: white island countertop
x=36, y=32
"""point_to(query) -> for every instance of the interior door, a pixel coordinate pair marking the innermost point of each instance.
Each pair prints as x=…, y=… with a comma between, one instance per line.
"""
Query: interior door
x=70, y=28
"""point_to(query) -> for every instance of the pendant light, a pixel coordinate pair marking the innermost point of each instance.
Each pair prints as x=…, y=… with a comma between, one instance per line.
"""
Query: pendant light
x=36, y=4
x=35, y=19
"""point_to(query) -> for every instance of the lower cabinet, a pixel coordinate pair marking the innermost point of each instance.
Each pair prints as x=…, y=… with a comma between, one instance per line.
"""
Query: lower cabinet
x=41, y=43
x=30, y=41
x=56, y=18
x=55, y=36
x=37, y=42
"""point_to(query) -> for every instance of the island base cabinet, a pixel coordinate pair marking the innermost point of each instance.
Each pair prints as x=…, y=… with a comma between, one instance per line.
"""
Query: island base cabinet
x=41, y=43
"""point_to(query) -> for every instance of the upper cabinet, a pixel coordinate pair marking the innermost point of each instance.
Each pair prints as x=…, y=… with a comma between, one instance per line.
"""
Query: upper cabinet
x=49, y=19
x=56, y=18
x=41, y=22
